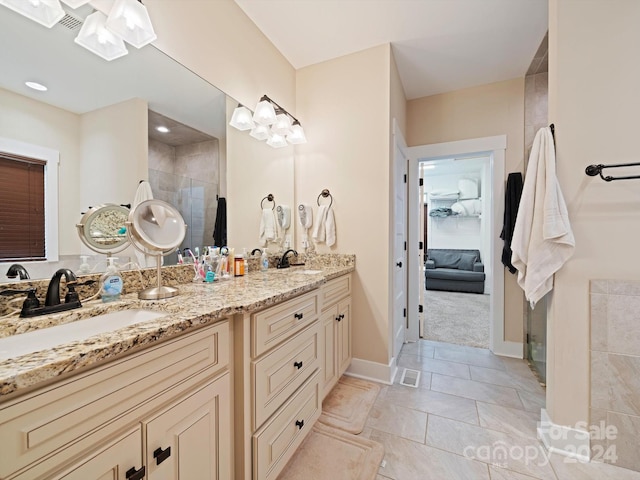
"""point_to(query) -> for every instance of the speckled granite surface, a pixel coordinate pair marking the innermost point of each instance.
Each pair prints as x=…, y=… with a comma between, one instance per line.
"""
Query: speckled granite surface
x=198, y=304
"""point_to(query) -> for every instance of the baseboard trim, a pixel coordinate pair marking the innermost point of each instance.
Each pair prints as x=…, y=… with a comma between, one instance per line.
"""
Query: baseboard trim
x=567, y=441
x=509, y=349
x=376, y=372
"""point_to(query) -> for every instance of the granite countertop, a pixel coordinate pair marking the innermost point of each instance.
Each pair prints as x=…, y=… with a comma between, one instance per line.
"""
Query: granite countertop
x=198, y=304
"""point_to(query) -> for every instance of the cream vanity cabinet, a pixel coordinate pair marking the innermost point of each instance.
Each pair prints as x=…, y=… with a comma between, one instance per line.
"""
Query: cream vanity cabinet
x=277, y=384
x=336, y=328
x=161, y=413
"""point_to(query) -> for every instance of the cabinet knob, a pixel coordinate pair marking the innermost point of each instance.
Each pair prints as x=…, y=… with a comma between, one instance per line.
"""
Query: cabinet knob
x=133, y=474
x=161, y=455
x=298, y=365
x=340, y=317
x=300, y=424
x=298, y=315
x=399, y=264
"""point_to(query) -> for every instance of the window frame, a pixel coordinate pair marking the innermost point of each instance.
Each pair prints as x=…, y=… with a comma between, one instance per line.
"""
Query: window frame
x=51, y=158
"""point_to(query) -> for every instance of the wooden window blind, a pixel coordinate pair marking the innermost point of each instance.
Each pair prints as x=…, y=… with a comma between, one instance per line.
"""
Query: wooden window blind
x=22, y=225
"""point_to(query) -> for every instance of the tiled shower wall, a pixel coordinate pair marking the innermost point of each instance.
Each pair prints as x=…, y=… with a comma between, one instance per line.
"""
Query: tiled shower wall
x=615, y=371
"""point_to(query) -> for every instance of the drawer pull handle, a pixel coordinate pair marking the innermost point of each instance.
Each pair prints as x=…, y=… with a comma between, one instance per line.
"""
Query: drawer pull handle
x=161, y=455
x=299, y=424
x=340, y=317
x=298, y=315
x=133, y=474
x=298, y=365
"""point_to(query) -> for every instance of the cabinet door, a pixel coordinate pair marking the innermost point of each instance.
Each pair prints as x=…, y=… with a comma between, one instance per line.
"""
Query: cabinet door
x=343, y=342
x=191, y=440
x=329, y=363
x=112, y=462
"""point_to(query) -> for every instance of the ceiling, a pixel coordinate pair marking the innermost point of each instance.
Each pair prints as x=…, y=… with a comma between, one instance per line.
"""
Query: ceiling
x=439, y=45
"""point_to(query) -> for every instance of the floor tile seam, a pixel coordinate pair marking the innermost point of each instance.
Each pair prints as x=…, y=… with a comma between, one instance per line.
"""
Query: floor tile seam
x=504, y=406
x=514, y=471
x=484, y=383
x=485, y=401
x=465, y=363
x=502, y=385
x=387, y=402
x=438, y=373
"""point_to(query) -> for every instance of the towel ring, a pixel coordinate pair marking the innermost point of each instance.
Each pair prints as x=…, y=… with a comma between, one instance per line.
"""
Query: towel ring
x=268, y=198
x=325, y=193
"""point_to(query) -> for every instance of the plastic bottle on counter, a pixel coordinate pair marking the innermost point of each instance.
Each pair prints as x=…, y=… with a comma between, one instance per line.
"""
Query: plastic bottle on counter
x=111, y=282
x=264, y=261
x=245, y=257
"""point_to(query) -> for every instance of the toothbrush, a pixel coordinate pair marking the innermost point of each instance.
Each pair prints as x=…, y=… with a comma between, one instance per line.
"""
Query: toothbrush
x=180, y=260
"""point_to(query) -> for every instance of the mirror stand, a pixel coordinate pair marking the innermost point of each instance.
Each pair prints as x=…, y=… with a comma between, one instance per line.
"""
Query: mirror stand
x=159, y=291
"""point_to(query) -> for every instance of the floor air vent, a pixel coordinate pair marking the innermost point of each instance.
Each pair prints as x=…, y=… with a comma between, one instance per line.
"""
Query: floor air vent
x=410, y=378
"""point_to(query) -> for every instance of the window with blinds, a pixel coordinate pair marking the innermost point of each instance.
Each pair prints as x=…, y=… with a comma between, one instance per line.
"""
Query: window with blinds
x=22, y=221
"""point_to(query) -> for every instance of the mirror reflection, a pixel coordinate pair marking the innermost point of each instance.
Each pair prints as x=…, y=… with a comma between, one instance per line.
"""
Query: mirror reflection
x=103, y=229
x=102, y=119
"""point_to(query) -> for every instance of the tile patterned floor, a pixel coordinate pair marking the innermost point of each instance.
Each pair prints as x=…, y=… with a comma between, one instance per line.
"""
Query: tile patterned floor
x=470, y=406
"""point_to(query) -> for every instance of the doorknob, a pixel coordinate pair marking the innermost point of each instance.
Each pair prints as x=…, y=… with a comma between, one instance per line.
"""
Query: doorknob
x=399, y=264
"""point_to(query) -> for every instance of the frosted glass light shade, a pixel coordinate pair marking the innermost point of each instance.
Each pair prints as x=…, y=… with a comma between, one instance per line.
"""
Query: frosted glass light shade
x=297, y=135
x=282, y=125
x=260, y=132
x=277, y=141
x=130, y=20
x=95, y=37
x=265, y=114
x=241, y=118
x=45, y=12
x=75, y=3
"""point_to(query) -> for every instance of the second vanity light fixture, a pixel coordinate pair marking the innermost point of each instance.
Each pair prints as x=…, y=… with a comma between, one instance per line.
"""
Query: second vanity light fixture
x=269, y=122
x=104, y=31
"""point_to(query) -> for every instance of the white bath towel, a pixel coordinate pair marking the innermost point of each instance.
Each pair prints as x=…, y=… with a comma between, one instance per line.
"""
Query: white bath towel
x=284, y=216
x=325, y=229
x=143, y=192
x=267, y=227
x=542, y=237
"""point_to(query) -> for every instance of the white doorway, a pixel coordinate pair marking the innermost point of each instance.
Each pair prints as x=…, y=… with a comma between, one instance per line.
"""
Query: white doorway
x=494, y=148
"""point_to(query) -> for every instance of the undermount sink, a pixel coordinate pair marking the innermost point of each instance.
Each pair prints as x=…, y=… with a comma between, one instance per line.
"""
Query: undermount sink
x=45, y=338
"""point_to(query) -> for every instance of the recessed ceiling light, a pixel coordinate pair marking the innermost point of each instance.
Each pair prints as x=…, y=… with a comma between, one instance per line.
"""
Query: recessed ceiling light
x=162, y=129
x=36, y=86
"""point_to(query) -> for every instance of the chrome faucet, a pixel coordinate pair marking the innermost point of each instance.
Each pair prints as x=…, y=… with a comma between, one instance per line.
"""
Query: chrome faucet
x=284, y=261
x=17, y=270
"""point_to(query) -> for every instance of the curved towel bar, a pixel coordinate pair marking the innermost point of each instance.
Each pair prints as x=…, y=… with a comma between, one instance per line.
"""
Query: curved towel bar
x=325, y=193
x=268, y=198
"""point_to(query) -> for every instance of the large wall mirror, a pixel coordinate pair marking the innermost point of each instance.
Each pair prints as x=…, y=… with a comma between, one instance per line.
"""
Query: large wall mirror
x=101, y=118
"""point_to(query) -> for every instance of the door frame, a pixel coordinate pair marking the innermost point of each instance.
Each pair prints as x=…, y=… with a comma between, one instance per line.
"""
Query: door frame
x=495, y=148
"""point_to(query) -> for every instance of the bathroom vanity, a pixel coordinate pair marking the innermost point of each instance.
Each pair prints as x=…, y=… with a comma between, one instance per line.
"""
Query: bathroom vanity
x=225, y=385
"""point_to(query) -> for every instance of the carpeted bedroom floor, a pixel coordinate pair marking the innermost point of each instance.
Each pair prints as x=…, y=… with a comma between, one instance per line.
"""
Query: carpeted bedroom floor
x=453, y=317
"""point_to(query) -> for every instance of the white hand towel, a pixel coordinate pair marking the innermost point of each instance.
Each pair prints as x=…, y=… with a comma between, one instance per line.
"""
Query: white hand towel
x=305, y=215
x=143, y=192
x=267, y=227
x=284, y=216
x=542, y=237
x=325, y=229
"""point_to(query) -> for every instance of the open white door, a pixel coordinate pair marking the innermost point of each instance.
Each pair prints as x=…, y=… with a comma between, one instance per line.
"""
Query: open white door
x=400, y=163
x=422, y=242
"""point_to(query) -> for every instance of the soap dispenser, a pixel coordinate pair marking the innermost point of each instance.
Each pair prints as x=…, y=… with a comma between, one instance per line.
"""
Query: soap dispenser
x=111, y=282
x=264, y=261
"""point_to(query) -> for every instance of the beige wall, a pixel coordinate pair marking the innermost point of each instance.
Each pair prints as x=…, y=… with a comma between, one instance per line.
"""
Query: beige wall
x=595, y=111
x=27, y=120
x=114, y=151
x=484, y=111
x=347, y=103
x=215, y=39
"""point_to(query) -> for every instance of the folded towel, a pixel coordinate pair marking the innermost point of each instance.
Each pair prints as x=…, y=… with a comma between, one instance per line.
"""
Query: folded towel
x=542, y=238
x=325, y=229
x=284, y=216
x=267, y=227
x=305, y=215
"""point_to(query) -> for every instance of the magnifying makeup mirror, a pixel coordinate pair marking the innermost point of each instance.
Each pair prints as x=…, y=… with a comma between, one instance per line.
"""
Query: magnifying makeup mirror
x=103, y=228
x=156, y=228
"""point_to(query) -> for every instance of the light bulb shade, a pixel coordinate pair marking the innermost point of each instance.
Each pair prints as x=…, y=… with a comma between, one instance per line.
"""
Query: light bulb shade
x=130, y=20
x=241, y=118
x=265, y=114
x=95, y=37
x=277, y=141
x=45, y=12
x=297, y=135
x=75, y=3
x=282, y=125
x=260, y=132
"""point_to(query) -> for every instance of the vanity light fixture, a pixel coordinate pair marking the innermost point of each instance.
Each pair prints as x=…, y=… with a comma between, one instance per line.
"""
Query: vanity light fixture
x=130, y=20
x=45, y=12
x=75, y=3
x=95, y=37
x=36, y=86
x=270, y=122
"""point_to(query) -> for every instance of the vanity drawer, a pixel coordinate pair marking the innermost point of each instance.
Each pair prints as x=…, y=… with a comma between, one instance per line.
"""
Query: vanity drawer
x=334, y=290
x=277, y=441
x=274, y=325
x=279, y=374
x=68, y=417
